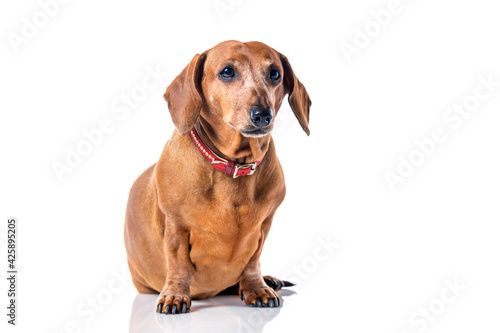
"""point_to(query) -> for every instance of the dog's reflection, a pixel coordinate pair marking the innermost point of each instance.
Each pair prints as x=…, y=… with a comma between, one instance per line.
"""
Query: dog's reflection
x=216, y=314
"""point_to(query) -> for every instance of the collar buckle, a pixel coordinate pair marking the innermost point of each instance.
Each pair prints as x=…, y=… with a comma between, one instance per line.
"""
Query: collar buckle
x=251, y=166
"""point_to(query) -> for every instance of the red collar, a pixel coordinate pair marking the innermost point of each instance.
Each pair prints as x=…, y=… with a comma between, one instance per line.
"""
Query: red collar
x=228, y=167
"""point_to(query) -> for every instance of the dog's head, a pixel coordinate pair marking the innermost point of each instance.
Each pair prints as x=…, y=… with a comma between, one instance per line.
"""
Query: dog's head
x=240, y=85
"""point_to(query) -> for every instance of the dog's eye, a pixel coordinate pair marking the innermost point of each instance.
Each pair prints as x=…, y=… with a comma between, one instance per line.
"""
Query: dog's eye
x=227, y=73
x=274, y=75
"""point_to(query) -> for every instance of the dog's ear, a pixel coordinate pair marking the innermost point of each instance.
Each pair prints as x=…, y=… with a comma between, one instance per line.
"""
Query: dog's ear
x=184, y=95
x=298, y=98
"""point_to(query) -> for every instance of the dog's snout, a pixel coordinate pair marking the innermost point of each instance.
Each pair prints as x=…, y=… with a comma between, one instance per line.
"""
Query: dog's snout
x=261, y=117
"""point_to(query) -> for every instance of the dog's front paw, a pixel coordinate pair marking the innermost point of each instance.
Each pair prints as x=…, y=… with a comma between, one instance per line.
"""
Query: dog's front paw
x=262, y=297
x=173, y=304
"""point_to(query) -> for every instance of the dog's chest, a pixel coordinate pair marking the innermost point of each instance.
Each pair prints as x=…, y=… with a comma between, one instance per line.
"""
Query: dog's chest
x=227, y=227
x=225, y=236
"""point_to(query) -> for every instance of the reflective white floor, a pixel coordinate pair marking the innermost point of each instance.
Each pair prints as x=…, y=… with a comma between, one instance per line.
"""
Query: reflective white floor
x=216, y=314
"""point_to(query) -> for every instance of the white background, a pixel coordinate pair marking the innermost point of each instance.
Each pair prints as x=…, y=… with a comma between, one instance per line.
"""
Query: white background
x=396, y=248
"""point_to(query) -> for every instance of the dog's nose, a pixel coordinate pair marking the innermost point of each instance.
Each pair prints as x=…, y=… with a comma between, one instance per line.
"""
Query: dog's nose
x=261, y=117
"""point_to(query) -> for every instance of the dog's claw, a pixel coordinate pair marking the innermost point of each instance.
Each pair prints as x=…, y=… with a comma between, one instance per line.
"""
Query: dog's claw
x=271, y=282
x=241, y=296
x=277, y=284
x=262, y=297
x=270, y=302
x=173, y=304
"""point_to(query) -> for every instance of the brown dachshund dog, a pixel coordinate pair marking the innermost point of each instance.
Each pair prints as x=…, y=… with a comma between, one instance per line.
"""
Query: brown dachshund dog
x=197, y=220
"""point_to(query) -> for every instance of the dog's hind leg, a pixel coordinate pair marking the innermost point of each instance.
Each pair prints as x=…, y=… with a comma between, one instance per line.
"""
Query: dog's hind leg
x=272, y=282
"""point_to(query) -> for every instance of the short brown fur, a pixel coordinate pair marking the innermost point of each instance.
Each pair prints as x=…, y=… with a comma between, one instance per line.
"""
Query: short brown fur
x=190, y=230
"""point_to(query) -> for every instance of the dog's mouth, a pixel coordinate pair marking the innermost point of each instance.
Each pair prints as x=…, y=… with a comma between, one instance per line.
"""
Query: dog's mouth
x=256, y=132
x=253, y=132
